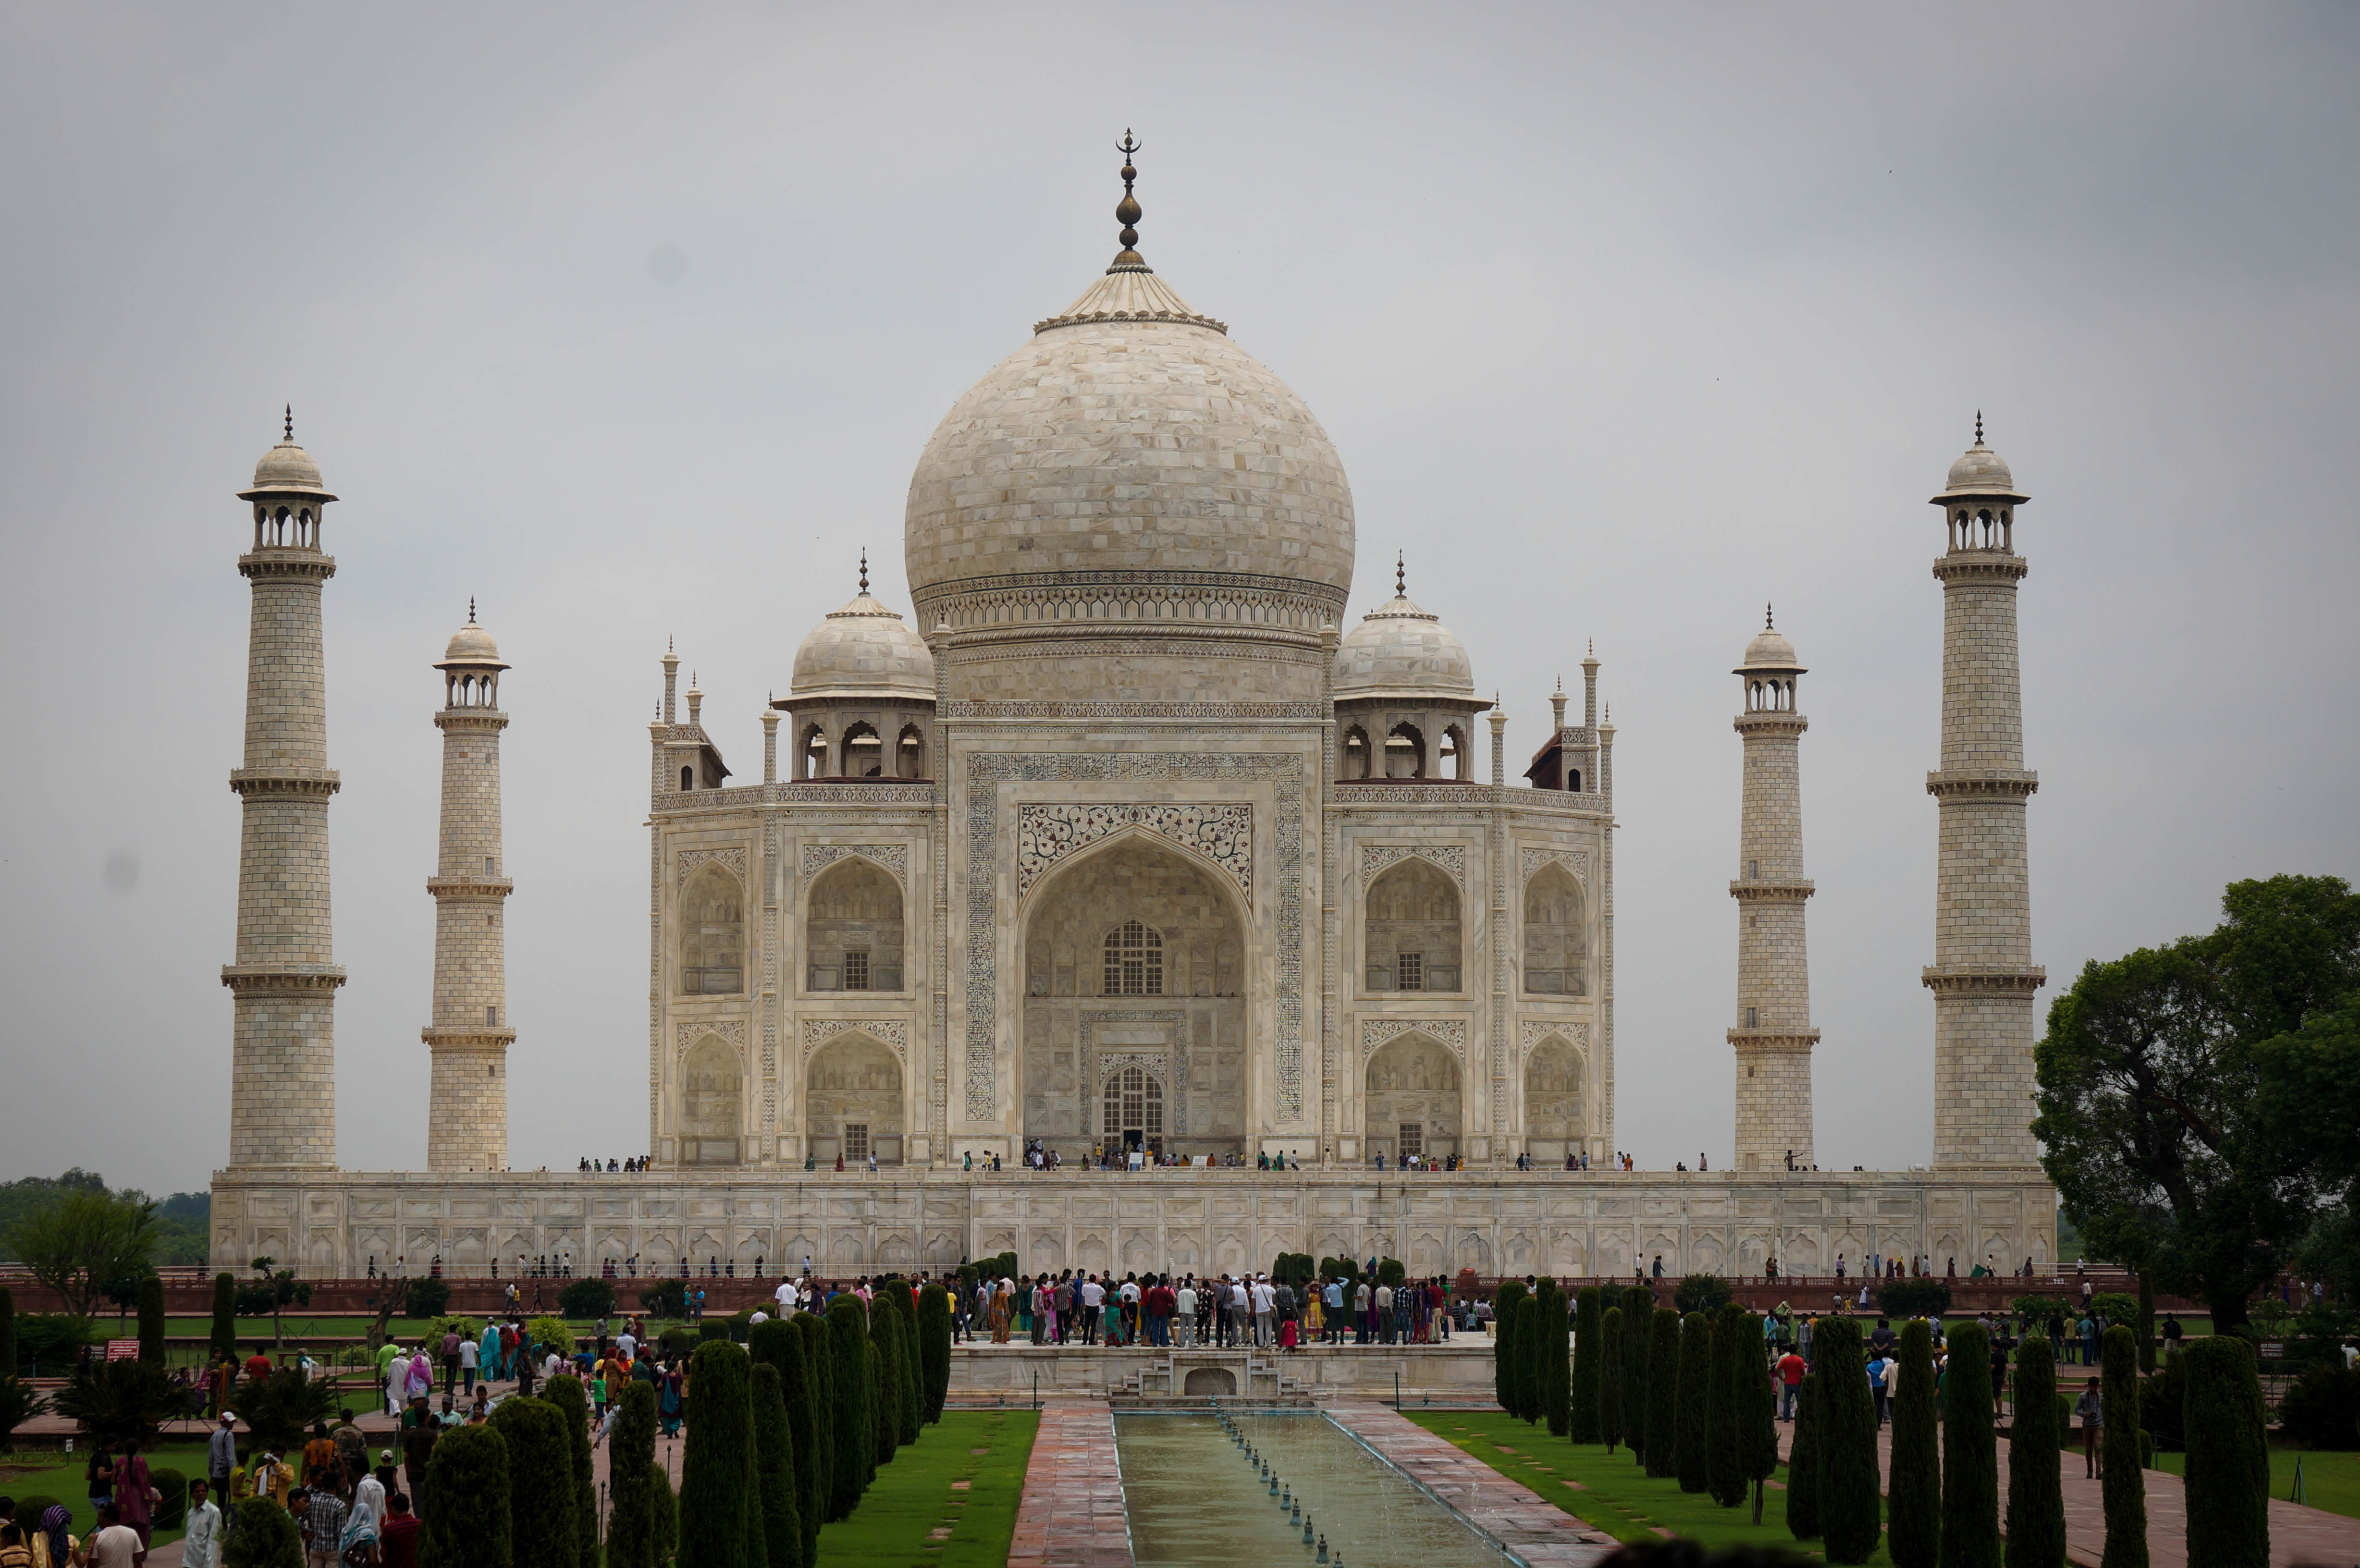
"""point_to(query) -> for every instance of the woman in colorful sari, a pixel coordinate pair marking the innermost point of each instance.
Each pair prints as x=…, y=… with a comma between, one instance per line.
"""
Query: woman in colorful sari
x=487, y=1355
x=357, y=1546
x=668, y=1400
x=995, y=1316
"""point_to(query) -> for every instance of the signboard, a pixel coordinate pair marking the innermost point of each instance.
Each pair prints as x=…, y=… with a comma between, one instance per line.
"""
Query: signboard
x=123, y=1350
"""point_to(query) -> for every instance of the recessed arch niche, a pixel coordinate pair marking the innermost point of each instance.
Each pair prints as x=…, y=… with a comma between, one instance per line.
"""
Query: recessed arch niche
x=853, y=928
x=712, y=1103
x=1412, y=1083
x=712, y=933
x=1412, y=930
x=1556, y=945
x=852, y=1100
x=1554, y=1082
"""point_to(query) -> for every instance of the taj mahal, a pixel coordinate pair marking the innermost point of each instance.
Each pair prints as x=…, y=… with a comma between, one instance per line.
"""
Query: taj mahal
x=1117, y=835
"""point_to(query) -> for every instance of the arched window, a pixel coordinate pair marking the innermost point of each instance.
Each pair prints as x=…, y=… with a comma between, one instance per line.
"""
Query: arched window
x=852, y=1102
x=1355, y=759
x=1413, y=929
x=1134, y=1107
x=810, y=758
x=1405, y=752
x=910, y=761
x=687, y=779
x=864, y=753
x=1134, y=960
x=711, y=1104
x=853, y=928
x=1556, y=948
x=1554, y=1084
x=713, y=935
x=1454, y=759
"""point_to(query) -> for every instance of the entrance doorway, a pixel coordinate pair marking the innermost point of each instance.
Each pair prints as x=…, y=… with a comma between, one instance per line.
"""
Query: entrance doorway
x=1134, y=1110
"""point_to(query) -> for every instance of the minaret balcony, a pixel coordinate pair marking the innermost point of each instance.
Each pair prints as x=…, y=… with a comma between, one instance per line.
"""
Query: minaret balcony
x=1982, y=783
x=470, y=887
x=468, y=1037
x=1772, y=890
x=248, y=782
x=2001, y=980
x=1774, y=1039
x=1981, y=566
x=244, y=978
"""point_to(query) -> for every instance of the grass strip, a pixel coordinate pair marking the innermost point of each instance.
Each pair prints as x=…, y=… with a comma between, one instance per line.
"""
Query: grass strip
x=940, y=1502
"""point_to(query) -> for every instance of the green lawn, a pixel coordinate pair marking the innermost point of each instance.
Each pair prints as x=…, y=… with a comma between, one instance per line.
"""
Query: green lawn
x=51, y=1475
x=1615, y=1494
x=941, y=1484
x=2330, y=1481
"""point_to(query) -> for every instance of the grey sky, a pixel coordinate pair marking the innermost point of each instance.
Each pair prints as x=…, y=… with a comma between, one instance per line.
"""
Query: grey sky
x=630, y=323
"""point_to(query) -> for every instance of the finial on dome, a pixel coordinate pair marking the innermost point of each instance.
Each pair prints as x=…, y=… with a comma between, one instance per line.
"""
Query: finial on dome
x=864, y=569
x=1979, y=427
x=1767, y=623
x=291, y=421
x=1128, y=212
x=1401, y=575
x=471, y=609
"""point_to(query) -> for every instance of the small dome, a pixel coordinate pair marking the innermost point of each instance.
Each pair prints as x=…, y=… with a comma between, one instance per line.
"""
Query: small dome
x=1769, y=649
x=863, y=651
x=1399, y=650
x=286, y=470
x=471, y=646
x=1980, y=473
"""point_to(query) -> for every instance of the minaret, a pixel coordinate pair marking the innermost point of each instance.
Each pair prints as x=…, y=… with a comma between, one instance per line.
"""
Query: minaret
x=283, y=1052
x=1772, y=1037
x=467, y=1105
x=1983, y=977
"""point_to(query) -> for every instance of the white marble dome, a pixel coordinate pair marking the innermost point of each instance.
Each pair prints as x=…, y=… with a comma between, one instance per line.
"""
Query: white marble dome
x=863, y=651
x=472, y=646
x=286, y=470
x=1398, y=651
x=1769, y=650
x=1130, y=436
x=1980, y=473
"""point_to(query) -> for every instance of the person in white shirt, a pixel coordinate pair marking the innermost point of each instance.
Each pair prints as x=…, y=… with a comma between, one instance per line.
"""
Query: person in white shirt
x=200, y=1547
x=786, y=1296
x=468, y=1351
x=1093, y=1300
x=1384, y=1313
x=1263, y=1299
x=368, y=1498
x=629, y=1344
x=760, y=1316
x=1184, y=1315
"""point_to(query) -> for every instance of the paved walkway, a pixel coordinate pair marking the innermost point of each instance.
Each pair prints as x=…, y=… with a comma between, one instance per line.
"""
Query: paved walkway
x=2299, y=1537
x=1071, y=1515
x=1533, y=1528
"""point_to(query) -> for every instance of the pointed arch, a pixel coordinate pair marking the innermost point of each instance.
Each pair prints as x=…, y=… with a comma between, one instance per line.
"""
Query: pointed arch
x=1353, y=762
x=712, y=1103
x=811, y=753
x=1410, y=1094
x=1555, y=1099
x=909, y=753
x=854, y=924
x=713, y=933
x=1557, y=942
x=853, y=1093
x=1405, y=752
x=861, y=752
x=1411, y=931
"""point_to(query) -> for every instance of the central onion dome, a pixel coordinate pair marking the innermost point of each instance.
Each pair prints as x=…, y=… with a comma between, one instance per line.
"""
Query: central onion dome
x=1401, y=653
x=1129, y=464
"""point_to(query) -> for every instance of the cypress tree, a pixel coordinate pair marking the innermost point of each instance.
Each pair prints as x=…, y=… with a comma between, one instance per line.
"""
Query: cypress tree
x=541, y=1529
x=1761, y=1437
x=1728, y=1403
x=1589, y=1348
x=467, y=1477
x=914, y=1372
x=1970, y=1455
x=151, y=1322
x=2122, y=1487
x=782, y=1526
x=1850, y=1497
x=631, y=1503
x=1803, y=1462
x=264, y=1535
x=934, y=1346
x=856, y=1432
x=885, y=1333
x=1507, y=1358
x=1662, y=1444
x=818, y=1378
x=779, y=1345
x=2146, y=1325
x=1638, y=1326
x=1690, y=1402
x=713, y=1501
x=667, y=1509
x=573, y=1404
x=1546, y=1383
x=1914, y=1535
x=2036, y=1496
x=223, y=1339
x=1611, y=1359
x=2228, y=1455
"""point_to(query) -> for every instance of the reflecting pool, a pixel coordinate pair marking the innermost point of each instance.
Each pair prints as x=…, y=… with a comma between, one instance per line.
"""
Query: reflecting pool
x=1193, y=1499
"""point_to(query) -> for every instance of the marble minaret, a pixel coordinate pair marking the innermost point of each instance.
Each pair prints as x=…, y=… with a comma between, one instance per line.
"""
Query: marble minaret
x=1772, y=1037
x=283, y=1052
x=1983, y=977
x=467, y=1125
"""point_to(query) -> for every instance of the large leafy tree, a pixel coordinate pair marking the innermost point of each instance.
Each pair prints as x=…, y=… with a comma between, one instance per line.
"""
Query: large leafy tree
x=86, y=1244
x=2153, y=1117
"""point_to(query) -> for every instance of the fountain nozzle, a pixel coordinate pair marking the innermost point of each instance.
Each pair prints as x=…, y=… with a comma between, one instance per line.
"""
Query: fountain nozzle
x=1323, y=1550
x=1307, y=1532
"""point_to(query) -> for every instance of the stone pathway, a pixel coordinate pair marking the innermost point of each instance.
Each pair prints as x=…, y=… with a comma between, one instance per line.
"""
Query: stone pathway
x=1536, y=1529
x=2299, y=1537
x=1071, y=1515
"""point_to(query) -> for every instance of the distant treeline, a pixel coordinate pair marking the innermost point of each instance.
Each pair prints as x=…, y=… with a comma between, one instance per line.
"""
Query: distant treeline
x=184, y=1219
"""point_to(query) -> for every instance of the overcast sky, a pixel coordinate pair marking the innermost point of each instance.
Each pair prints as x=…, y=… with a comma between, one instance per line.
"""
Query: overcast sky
x=630, y=321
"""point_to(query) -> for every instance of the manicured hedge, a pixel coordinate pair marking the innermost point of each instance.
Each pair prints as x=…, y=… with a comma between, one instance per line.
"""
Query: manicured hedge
x=2036, y=1496
x=1851, y=1499
x=471, y=1523
x=1914, y=1535
x=2124, y=1488
x=1970, y=1455
x=1661, y=1448
x=1693, y=1403
x=2228, y=1470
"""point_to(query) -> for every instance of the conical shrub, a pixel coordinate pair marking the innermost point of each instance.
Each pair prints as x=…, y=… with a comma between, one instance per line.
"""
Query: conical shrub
x=1507, y=1352
x=1551, y=1382
x=564, y=1393
x=885, y=1333
x=221, y=1342
x=667, y=1509
x=1803, y=1461
x=782, y=1527
x=2123, y=1489
x=264, y=1535
x=2036, y=1494
x=776, y=1344
x=1638, y=1330
x=151, y=1324
x=1694, y=1403
x=855, y=1458
x=2228, y=1455
x=1663, y=1445
x=1761, y=1436
x=913, y=1369
x=1728, y=1403
x=714, y=1495
x=1913, y=1536
x=541, y=1529
x=630, y=1501
x=819, y=1376
x=1582, y=1397
x=471, y=1522
x=1970, y=1455
x=1611, y=1361
x=934, y=1346
x=1850, y=1499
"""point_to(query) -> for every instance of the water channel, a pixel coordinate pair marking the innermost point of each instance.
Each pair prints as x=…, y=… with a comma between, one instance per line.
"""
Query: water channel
x=1194, y=1500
